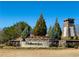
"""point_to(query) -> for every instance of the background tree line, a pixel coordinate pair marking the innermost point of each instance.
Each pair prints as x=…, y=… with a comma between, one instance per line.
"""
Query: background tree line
x=22, y=29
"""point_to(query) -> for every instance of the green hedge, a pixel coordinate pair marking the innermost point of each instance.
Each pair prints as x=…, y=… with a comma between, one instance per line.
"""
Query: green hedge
x=70, y=38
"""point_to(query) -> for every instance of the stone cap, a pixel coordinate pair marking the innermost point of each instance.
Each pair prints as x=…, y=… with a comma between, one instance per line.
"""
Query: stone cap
x=38, y=38
x=17, y=39
x=71, y=20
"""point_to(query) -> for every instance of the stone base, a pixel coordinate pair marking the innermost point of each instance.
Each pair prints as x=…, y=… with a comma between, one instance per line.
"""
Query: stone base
x=62, y=43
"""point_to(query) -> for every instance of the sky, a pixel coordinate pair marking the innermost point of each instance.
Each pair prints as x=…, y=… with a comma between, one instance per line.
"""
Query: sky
x=12, y=12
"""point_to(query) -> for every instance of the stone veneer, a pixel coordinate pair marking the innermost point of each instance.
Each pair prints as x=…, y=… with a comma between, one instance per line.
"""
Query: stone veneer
x=69, y=28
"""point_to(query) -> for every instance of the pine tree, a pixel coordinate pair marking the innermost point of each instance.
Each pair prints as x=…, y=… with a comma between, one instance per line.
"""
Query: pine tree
x=40, y=28
x=57, y=30
x=50, y=32
x=20, y=29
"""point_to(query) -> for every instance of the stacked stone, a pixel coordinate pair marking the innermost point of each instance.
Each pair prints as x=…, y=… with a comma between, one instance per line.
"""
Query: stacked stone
x=69, y=28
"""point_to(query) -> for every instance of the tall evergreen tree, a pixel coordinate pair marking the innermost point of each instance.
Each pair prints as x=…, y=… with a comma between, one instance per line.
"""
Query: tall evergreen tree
x=57, y=30
x=50, y=32
x=40, y=28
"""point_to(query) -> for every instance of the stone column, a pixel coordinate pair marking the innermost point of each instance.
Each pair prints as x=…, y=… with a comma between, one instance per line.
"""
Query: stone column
x=62, y=43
